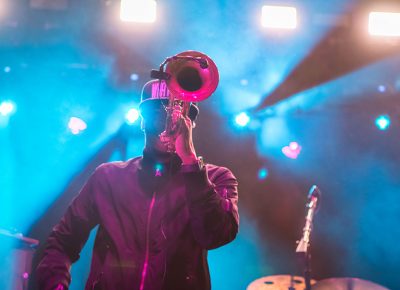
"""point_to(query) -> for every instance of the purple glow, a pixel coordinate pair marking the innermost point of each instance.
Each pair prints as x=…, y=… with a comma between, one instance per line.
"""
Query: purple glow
x=292, y=151
x=76, y=125
x=25, y=275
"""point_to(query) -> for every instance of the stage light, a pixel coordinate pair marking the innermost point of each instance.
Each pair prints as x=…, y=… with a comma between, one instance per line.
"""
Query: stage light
x=134, y=77
x=382, y=88
x=382, y=122
x=131, y=116
x=7, y=69
x=292, y=151
x=242, y=119
x=384, y=24
x=262, y=173
x=294, y=146
x=7, y=108
x=76, y=125
x=143, y=11
x=284, y=17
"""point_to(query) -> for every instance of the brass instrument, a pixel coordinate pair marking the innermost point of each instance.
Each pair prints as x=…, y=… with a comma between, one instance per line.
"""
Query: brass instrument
x=190, y=76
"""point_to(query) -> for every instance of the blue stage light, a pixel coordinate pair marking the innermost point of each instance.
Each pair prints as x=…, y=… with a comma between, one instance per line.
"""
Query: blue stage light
x=382, y=122
x=132, y=116
x=262, y=173
x=242, y=119
x=382, y=88
x=134, y=77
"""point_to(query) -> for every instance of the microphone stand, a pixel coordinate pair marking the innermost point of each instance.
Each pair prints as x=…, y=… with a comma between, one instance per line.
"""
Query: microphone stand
x=303, y=247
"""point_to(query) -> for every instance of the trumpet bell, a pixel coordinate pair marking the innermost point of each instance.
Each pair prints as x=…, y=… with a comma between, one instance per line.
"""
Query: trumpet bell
x=191, y=80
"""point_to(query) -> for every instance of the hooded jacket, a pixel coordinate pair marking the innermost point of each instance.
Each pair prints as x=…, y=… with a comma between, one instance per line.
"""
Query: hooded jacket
x=156, y=221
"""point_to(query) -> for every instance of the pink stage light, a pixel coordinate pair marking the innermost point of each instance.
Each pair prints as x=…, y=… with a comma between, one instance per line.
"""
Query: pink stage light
x=292, y=151
x=76, y=125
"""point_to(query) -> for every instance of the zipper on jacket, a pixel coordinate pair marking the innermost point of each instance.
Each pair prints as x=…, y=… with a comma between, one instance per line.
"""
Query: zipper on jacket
x=146, y=258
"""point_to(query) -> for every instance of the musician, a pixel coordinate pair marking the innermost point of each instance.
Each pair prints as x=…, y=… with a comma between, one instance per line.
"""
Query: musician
x=158, y=214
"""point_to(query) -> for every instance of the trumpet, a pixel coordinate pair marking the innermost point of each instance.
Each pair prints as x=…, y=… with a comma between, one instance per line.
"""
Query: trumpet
x=191, y=77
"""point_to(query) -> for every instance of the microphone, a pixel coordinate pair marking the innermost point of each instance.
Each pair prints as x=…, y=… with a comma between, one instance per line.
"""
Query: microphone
x=302, y=250
x=314, y=196
x=313, y=201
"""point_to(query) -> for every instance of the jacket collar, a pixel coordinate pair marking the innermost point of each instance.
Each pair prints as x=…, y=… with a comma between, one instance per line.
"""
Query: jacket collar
x=160, y=163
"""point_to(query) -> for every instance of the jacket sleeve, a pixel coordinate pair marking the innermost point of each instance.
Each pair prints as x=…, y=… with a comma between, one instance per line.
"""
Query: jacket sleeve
x=68, y=237
x=213, y=206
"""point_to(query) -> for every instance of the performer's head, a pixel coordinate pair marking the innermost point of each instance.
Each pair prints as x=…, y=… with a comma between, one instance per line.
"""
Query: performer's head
x=154, y=99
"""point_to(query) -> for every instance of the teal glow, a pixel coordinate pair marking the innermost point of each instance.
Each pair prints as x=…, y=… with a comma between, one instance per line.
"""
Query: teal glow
x=382, y=122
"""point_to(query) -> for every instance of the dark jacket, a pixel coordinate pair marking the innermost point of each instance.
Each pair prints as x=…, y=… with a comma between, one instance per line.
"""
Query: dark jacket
x=154, y=231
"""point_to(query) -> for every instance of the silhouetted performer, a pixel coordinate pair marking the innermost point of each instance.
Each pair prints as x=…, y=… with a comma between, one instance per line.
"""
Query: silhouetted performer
x=158, y=214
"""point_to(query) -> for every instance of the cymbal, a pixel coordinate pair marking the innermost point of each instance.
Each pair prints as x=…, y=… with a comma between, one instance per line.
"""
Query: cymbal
x=346, y=284
x=278, y=282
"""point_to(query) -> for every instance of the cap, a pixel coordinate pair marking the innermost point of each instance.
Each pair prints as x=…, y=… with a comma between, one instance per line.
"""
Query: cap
x=156, y=93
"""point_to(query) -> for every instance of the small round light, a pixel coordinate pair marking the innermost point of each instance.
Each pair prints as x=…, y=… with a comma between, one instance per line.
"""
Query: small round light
x=242, y=119
x=382, y=88
x=294, y=145
x=76, y=125
x=292, y=151
x=132, y=116
x=382, y=122
x=262, y=173
x=134, y=77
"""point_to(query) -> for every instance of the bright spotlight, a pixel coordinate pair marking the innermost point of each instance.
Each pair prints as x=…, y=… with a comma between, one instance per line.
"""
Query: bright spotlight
x=292, y=151
x=7, y=108
x=279, y=17
x=143, y=11
x=382, y=122
x=76, y=125
x=242, y=119
x=384, y=24
x=131, y=116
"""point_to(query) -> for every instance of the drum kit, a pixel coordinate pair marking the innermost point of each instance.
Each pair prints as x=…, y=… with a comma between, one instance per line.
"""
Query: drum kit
x=288, y=282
